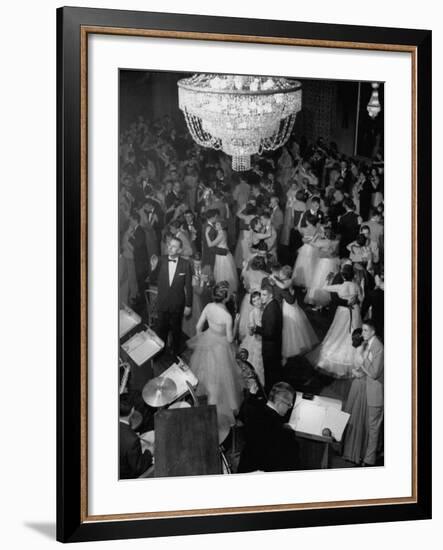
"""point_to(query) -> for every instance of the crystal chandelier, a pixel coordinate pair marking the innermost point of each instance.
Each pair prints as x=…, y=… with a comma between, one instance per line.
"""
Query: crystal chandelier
x=240, y=115
x=374, y=104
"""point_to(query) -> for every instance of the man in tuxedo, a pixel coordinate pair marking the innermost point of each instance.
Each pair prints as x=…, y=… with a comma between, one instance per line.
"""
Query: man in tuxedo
x=270, y=445
x=348, y=227
x=271, y=333
x=373, y=367
x=314, y=210
x=209, y=252
x=174, y=293
x=133, y=459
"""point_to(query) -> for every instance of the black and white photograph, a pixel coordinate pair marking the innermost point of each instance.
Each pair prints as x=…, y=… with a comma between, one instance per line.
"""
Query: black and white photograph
x=251, y=274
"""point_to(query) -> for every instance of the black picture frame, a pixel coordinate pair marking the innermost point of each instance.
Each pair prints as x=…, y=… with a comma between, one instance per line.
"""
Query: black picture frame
x=72, y=523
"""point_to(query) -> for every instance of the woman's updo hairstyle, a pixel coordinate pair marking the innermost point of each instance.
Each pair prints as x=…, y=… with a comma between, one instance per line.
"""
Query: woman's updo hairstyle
x=254, y=222
x=300, y=195
x=219, y=293
x=258, y=263
x=360, y=240
x=312, y=218
x=347, y=272
x=253, y=296
x=357, y=338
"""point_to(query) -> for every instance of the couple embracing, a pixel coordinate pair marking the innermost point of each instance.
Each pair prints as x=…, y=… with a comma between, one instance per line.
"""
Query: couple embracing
x=215, y=251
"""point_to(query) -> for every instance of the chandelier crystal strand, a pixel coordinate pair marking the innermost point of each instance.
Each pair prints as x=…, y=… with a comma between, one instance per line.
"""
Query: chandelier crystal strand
x=242, y=115
x=374, y=106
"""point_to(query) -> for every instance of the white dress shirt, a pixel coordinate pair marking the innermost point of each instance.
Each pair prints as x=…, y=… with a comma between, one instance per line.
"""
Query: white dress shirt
x=172, y=266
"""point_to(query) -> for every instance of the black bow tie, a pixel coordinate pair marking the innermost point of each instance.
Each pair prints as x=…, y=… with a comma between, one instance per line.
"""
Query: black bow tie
x=171, y=260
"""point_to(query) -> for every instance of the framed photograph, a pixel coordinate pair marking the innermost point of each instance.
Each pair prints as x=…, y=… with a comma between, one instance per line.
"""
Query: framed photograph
x=244, y=241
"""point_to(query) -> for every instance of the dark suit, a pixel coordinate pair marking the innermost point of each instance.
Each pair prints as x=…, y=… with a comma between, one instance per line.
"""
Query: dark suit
x=133, y=462
x=280, y=294
x=138, y=241
x=271, y=333
x=268, y=445
x=348, y=227
x=375, y=299
x=172, y=299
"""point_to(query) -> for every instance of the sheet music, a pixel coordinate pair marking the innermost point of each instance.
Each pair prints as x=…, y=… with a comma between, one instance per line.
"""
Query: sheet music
x=142, y=346
x=336, y=421
x=312, y=418
x=307, y=417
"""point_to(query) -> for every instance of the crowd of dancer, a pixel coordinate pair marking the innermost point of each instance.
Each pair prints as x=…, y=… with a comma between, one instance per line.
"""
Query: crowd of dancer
x=243, y=261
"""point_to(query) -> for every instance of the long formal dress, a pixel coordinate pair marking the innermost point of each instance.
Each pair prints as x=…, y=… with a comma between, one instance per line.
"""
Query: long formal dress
x=213, y=362
x=306, y=261
x=224, y=267
x=298, y=335
x=253, y=343
x=356, y=434
x=328, y=262
x=336, y=355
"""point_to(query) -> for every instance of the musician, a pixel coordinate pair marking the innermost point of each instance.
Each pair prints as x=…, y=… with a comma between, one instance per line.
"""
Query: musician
x=270, y=445
x=133, y=460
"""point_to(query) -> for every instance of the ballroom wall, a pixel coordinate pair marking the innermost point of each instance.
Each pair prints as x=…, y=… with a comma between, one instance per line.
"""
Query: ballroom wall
x=329, y=107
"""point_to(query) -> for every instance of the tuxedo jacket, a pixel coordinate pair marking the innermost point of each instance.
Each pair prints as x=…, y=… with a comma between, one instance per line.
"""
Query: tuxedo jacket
x=271, y=329
x=280, y=294
x=374, y=365
x=348, y=227
x=133, y=462
x=178, y=295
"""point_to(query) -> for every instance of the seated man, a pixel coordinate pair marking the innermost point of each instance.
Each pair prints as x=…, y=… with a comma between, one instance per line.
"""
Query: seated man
x=270, y=446
x=133, y=461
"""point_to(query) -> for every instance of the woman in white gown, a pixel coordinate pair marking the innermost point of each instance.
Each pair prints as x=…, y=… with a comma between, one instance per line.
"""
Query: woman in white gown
x=298, y=336
x=328, y=262
x=252, y=342
x=307, y=257
x=336, y=355
x=224, y=266
x=213, y=357
x=252, y=274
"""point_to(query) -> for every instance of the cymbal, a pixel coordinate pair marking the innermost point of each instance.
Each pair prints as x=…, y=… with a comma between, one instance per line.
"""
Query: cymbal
x=159, y=391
